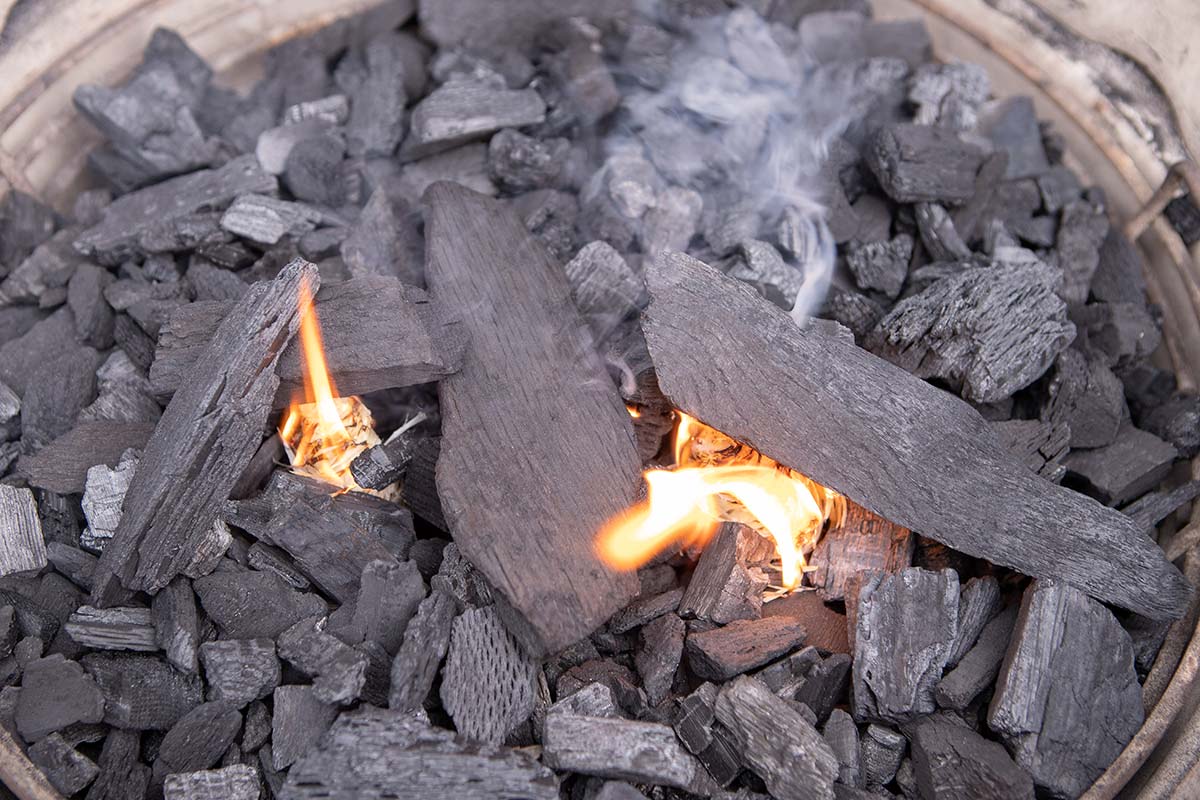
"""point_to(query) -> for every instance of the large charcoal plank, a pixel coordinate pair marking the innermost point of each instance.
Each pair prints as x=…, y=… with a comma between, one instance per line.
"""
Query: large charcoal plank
x=780, y=745
x=611, y=747
x=529, y=367
x=953, y=761
x=739, y=364
x=62, y=465
x=142, y=692
x=377, y=333
x=906, y=628
x=204, y=440
x=145, y=211
x=1067, y=699
x=380, y=753
x=22, y=546
x=863, y=541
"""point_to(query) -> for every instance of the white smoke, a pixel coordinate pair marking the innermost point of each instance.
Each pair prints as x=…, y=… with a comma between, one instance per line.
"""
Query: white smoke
x=744, y=117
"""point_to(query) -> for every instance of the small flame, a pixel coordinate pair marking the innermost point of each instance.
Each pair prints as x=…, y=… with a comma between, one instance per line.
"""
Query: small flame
x=633, y=410
x=324, y=434
x=717, y=479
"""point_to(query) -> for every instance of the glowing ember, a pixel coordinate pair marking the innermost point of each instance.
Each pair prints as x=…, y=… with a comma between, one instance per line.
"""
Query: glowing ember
x=717, y=479
x=324, y=434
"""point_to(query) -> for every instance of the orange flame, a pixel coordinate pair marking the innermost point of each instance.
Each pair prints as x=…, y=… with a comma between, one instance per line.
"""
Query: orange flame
x=717, y=479
x=324, y=434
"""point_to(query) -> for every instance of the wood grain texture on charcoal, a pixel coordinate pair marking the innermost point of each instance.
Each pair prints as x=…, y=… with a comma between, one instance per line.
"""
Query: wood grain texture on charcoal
x=22, y=547
x=741, y=365
x=377, y=333
x=204, y=440
x=531, y=415
x=863, y=541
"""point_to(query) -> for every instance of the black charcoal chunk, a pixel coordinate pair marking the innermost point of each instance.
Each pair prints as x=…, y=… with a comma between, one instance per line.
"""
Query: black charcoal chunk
x=1087, y=396
x=384, y=464
x=950, y=760
x=645, y=609
x=339, y=671
x=384, y=240
x=978, y=602
x=977, y=670
x=250, y=605
x=742, y=645
x=987, y=331
x=461, y=111
x=1012, y=125
x=199, y=739
x=941, y=239
x=314, y=170
x=520, y=163
x=266, y=220
x=237, y=782
x=1067, y=700
x=1177, y=422
x=1184, y=217
x=69, y=770
x=176, y=624
x=55, y=394
x=776, y=742
x=257, y=728
x=881, y=266
x=44, y=273
x=882, y=751
x=266, y=558
x=919, y=163
x=604, y=287
x=1058, y=186
x=857, y=312
x=141, y=691
x=122, y=775
x=376, y=123
x=825, y=685
x=94, y=318
x=25, y=222
x=759, y=264
x=1133, y=464
x=488, y=680
x=1077, y=250
x=658, y=656
x=593, y=700
x=22, y=544
x=56, y=693
x=240, y=671
x=841, y=734
x=724, y=586
x=388, y=599
x=118, y=628
x=1039, y=445
x=1120, y=333
x=426, y=639
x=297, y=724
x=906, y=625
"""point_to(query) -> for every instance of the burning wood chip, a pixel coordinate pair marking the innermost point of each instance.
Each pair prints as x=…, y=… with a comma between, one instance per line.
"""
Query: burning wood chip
x=240, y=671
x=128, y=628
x=237, y=782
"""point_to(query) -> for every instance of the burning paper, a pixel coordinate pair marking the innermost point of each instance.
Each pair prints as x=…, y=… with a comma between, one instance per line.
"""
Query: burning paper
x=718, y=479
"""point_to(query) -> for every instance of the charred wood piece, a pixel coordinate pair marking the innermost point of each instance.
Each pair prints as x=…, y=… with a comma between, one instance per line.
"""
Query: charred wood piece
x=459, y=112
x=240, y=671
x=863, y=541
x=199, y=739
x=141, y=691
x=22, y=546
x=954, y=761
x=742, y=645
x=1134, y=463
x=921, y=163
x=251, y=605
x=978, y=602
x=339, y=671
x=383, y=464
x=56, y=693
x=237, y=782
x=978, y=668
x=426, y=639
x=127, y=628
x=298, y=722
x=69, y=770
x=388, y=597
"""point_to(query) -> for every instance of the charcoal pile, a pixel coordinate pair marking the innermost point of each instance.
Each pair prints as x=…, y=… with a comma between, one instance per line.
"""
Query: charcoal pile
x=530, y=239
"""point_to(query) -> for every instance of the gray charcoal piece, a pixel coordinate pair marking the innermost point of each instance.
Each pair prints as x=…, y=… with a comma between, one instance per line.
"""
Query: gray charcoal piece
x=199, y=739
x=384, y=464
x=1039, y=445
x=776, y=742
x=22, y=356
x=697, y=712
x=267, y=558
x=1085, y=394
x=55, y=396
x=645, y=609
x=882, y=751
x=520, y=163
x=1059, y=186
x=881, y=266
x=952, y=761
x=1067, y=699
x=25, y=222
x=457, y=577
x=673, y=221
x=761, y=265
x=612, y=674
x=142, y=692
x=334, y=109
x=210, y=547
x=94, y=317
x=841, y=734
x=459, y=112
x=723, y=588
x=658, y=656
x=1119, y=333
x=617, y=790
x=10, y=630
x=119, y=628
x=404, y=757
x=250, y=605
x=1012, y=126
x=22, y=546
x=240, y=671
x=605, y=289
x=906, y=625
x=787, y=675
x=266, y=220
x=122, y=775
x=1149, y=509
x=1134, y=463
x=33, y=617
x=919, y=163
x=580, y=71
x=978, y=602
x=125, y=394
x=237, y=782
x=376, y=123
x=986, y=331
x=176, y=625
x=742, y=645
x=315, y=170
x=466, y=165
x=387, y=599
x=69, y=770
x=339, y=671
x=298, y=722
x=859, y=313
x=275, y=144
x=426, y=639
x=1042, y=231
x=936, y=88
x=56, y=693
x=138, y=213
x=385, y=240
x=10, y=410
x=825, y=685
x=488, y=680
x=1081, y=234
x=593, y=700
x=621, y=749
x=977, y=669
x=49, y=268
x=1120, y=276
x=942, y=241
x=257, y=728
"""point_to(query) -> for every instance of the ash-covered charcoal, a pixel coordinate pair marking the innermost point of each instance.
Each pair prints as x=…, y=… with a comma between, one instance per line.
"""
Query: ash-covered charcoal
x=198, y=740
x=68, y=770
x=724, y=586
x=461, y=111
x=919, y=163
x=142, y=691
x=776, y=742
x=1134, y=463
x=488, y=680
x=55, y=694
x=857, y=312
x=721, y=653
x=266, y=220
x=22, y=545
x=942, y=241
x=388, y=598
x=127, y=628
x=298, y=722
x=949, y=95
x=1066, y=709
x=383, y=464
x=987, y=331
x=103, y=495
x=841, y=734
x=621, y=749
x=339, y=672
x=520, y=163
x=1081, y=234
x=240, y=671
x=249, y=605
x=978, y=602
x=385, y=240
x=976, y=671
x=863, y=541
x=409, y=757
x=1085, y=394
x=426, y=639
x=906, y=626
x=237, y=782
